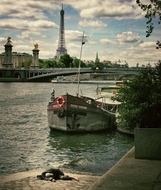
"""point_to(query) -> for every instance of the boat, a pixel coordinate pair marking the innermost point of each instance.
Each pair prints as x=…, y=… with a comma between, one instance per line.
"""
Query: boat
x=105, y=95
x=77, y=113
x=109, y=91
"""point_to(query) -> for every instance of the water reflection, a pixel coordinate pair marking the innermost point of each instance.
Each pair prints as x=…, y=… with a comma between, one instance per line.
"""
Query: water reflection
x=89, y=152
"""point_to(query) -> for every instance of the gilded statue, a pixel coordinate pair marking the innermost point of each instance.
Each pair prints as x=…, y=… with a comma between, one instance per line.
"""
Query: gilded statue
x=36, y=46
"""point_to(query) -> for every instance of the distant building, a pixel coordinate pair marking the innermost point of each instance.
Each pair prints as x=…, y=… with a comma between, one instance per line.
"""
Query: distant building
x=21, y=59
x=97, y=61
x=9, y=59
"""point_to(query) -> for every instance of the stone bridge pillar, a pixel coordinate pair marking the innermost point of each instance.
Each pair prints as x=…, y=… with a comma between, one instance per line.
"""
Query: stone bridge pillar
x=35, y=61
x=8, y=54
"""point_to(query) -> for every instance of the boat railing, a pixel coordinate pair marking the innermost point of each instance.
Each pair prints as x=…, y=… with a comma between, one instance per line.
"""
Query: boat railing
x=107, y=111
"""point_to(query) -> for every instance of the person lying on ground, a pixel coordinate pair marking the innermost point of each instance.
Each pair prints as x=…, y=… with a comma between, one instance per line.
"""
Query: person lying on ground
x=54, y=174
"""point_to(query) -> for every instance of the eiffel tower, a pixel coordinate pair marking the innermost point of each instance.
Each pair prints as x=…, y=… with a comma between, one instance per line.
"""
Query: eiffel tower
x=61, y=50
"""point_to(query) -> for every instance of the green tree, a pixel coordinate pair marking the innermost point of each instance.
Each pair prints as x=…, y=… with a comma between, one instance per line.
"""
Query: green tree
x=141, y=97
x=66, y=60
x=141, y=100
x=41, y=63
x=76, y=62
x=153, y=12
x=49, y=63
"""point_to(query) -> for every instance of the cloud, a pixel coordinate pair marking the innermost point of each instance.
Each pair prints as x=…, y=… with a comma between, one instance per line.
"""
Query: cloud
x=28, y=34
x=92, y=23
x=3, y=40
x=74, y=35
x=147, y=45
x=25, y=19
x=23, y=48
x=127, y=37
x=110, y=9
x=106, y=41
x=26, y=25
x=133, y=56
x=42, y=24
x=143, y=53
x=74, y=49
x=26, y=9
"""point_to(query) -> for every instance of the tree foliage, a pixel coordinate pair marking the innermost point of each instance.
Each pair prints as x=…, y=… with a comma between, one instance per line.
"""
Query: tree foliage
x=66, y=60
x=153, y=11
x=141, y=100
x=49, y=63
x=76, y=63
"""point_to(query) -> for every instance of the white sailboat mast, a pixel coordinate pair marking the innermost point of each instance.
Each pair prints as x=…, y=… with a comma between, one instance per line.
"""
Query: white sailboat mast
x=82, y=43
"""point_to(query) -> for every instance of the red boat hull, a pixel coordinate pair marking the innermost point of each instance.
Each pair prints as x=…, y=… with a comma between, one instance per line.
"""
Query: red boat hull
x=78, y=114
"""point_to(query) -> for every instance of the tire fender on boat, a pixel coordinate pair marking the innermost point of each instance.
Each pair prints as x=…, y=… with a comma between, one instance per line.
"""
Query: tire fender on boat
x=61, y=113
x=60, y=101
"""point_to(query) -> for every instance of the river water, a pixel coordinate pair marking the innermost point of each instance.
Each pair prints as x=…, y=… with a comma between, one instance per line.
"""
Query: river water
x=26, y=142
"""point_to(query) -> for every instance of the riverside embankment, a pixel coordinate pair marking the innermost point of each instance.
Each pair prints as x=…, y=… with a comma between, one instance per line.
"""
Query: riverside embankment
x=127, y=174
x=131, y=174
x=28, y=181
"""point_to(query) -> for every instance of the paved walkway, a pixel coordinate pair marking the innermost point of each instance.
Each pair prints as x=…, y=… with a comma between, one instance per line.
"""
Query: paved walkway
x=131, y=174
x=28, y=181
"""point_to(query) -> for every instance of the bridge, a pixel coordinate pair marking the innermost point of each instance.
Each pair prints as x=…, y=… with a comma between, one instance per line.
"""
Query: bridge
x=114, y=73
x=46, y=75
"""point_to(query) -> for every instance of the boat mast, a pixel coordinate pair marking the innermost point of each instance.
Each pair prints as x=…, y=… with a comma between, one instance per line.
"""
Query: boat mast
x=82, y=43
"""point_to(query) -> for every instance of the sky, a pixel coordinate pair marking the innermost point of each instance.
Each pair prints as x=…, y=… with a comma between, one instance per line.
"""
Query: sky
x=116, y=29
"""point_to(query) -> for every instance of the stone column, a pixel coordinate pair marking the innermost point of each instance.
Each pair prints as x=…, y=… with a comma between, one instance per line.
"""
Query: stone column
x=35, y=60
x=8, y=54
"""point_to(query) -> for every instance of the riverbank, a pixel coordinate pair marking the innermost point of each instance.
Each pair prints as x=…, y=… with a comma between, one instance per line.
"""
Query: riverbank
x=125, y=131
x=131, y=174
x=128, y=174
x=105, y=82
x=12, y=80
x=28, y=181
